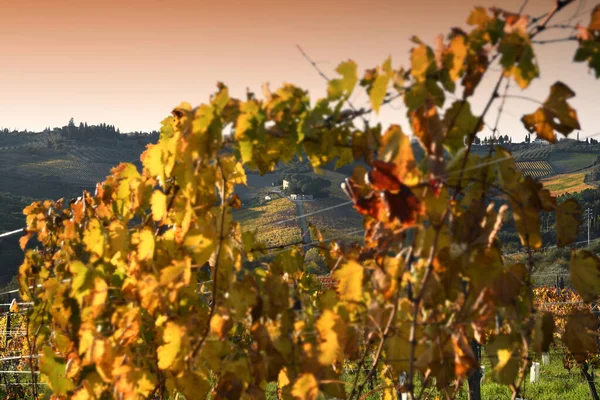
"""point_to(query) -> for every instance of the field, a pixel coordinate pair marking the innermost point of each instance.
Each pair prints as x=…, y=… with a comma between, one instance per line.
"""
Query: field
x=534, y=153
x=263, y=218
x=340, y=221
x=567, y=161
x=566, y=183
x=536, y=169
x=71, y=170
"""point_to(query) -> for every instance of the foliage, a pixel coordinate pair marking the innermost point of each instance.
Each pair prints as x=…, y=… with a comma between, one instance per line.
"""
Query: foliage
x=118, y=286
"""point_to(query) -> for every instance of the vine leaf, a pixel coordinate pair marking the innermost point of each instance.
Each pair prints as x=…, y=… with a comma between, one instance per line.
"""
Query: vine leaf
x=568, y=219
x=585, y=274
x=464, y=359
x=306, y=387
x=55, y=369
x=462, y=122
x=422, y=61
x=543, y=332
x=345, y=85
x=503, y=353
x=93, y=238
x=554, y=115
x=577, y=335
x=349, y=277
x=589, y=43
x=332, y=332
x=146, y=244
x=518, y=58
x=168, y=352
x=380, y=85
x=158, y=203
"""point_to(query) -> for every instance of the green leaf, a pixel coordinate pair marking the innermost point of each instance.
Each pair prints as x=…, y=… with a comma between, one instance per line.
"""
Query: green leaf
x=518, y=59
x=379, y=88
x=55, y=369
x=81, y=283
x=463, y=122
x=344, y=86
x=585, y=274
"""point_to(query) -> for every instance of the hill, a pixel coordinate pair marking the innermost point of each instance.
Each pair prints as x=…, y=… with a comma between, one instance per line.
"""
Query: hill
x=36, y=166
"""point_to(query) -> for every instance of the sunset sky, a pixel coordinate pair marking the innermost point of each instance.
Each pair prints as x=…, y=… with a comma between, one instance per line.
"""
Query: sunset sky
x=128, y=63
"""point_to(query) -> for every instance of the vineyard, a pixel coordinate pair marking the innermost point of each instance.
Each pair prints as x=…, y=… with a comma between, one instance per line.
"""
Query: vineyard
x=273, y=222
x=536, y=169
x=533, y=153
x=566, y=183
x=161, y=284
x=335, y=222
x=70, y=171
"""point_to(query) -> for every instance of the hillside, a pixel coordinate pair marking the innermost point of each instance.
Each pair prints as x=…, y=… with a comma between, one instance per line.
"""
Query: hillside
x=38, y=165
x=563, y=166
x=33, y=169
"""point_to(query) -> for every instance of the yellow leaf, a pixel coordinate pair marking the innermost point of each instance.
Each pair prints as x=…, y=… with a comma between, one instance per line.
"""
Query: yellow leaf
x=93, y=237
x=585, y=274
x=14, y=306
x=146, y=244
x=305, y=387
x=504, y=356
x=350, y=277
x=168, y=352
x=158, y=203
x=220, y=324
x=332, y=332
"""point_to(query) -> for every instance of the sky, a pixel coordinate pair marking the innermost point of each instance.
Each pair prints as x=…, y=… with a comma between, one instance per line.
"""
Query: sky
x=128, y=63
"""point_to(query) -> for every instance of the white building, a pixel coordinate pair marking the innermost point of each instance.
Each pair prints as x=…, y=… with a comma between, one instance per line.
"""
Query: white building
x=285, y=184
x=301, y=196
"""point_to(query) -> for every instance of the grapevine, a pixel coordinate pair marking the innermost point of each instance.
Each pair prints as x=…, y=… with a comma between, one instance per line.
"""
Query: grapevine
x=144, y=288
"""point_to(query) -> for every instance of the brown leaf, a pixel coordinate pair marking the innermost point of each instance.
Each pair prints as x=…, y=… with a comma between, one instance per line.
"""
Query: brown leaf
x=543, y=332
x=568, y=219
x=585, y=274
x=577, y=335
x=464, y=359
x=554, y=115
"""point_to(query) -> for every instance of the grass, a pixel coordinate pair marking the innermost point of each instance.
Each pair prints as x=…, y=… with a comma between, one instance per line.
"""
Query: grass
x=566, y=183
x=563, y=161
x=555, y=383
